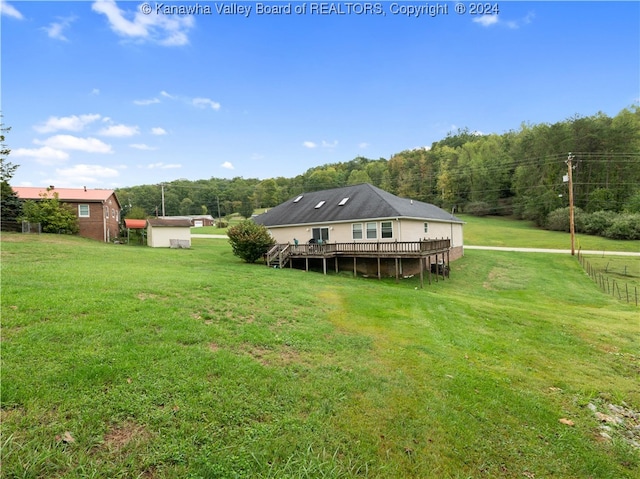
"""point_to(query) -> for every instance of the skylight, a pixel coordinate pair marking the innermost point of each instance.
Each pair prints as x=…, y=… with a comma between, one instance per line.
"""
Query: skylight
x=344, y=201
x=320, y=204
x=298, y=199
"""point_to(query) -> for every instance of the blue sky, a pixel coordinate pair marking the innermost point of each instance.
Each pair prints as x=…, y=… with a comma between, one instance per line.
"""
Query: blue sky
x=99, y=94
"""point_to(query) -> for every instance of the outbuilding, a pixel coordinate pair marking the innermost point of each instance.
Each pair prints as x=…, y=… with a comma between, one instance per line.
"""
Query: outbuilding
x=168, y=233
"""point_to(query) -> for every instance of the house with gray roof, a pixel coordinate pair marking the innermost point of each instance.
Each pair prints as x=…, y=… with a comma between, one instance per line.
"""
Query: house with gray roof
x=361, y=214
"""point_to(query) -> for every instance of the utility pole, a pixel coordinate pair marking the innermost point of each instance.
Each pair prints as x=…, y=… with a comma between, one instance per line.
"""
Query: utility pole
x=572, y=227
x=162, y=189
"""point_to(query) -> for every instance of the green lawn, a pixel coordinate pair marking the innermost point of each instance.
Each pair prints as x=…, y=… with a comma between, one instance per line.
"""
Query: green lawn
x=157, y=363
x=501, y=231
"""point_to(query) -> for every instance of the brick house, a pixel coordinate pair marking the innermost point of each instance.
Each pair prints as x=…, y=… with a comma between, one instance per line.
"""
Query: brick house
x=98, y=211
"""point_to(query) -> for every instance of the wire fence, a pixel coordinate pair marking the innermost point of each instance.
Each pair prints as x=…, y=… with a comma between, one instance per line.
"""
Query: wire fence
x=615, y=287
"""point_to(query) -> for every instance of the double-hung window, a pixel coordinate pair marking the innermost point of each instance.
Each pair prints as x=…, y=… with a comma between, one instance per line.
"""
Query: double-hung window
x=386, y=229
x=372, y=230
x=83, y=211
x=356, y=229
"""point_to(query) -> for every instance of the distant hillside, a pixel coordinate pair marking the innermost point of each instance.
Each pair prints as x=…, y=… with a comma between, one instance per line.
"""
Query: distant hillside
x=517, y=173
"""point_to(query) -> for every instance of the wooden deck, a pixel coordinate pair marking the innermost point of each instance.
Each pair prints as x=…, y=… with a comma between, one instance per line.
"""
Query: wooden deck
x=426, y=251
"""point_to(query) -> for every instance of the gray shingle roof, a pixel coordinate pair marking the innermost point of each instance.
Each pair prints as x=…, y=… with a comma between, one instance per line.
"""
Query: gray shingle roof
x=364, y=202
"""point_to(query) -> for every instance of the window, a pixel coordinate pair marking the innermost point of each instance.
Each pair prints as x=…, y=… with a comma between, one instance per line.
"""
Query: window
x=106, y=212
x=356, y=230
x=426, y=227
x=320, y=204
x=372, y=230
x=321, y=234
x=344, y=201
x=297, y=199
x=83, y=211
x=386, y=229
x=113, y=213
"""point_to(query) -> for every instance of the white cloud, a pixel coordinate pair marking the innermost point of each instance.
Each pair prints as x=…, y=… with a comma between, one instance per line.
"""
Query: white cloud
x=326, y=144
x=10, y=11
x=70, y=123
x=146, y=102
x=158, y=131
x=119, y=131
x=167, y=95
x=55, y=30
x=363, y=145
x=486, y=20
x=142, y=146
x=163, y=166
x=84, y=174
x=205, y=102
x=227, y=165
x=490, y=20
x=168, y=30
x=95, y=91
x=309, y=144
x=70, y=142
x=45, y=155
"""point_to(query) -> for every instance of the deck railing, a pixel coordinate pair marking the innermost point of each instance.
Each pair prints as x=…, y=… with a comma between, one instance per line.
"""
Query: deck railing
x=281, y=252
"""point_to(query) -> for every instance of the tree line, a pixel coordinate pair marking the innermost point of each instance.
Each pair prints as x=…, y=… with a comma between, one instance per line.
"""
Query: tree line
x=518, y=173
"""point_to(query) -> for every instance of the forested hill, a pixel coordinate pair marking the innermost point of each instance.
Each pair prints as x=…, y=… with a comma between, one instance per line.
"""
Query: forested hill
x=517, y=173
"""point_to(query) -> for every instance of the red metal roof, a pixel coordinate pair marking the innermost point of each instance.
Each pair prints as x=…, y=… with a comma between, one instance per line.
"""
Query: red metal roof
x=135, y=224
x=64, y=194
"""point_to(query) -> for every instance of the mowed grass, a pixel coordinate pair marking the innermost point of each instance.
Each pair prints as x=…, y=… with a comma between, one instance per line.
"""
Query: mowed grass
x=157, y=363
x=503, y=231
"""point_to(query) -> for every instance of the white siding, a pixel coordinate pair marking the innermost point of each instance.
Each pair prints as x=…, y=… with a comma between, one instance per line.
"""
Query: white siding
x=161, y=236
x=403, y=230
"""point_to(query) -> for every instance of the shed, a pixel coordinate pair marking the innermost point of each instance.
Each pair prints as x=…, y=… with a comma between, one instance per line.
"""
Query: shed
x=168, y=233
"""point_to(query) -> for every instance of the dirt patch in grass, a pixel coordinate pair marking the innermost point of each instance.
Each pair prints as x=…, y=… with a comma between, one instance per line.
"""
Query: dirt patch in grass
x=502, y=278
x=118, y=436
x=273, y=357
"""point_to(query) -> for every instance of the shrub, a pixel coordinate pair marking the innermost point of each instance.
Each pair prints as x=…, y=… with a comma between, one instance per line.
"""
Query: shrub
x=54, y=216
x=249, y=241
x=625, y=226
x=478, y=208
x=597, y=222
x=632, y=205
x=558, y=220
x=222, y=224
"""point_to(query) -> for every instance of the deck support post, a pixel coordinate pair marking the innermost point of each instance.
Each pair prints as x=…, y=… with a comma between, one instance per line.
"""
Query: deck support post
x=448, y=261
x=422, y=274
x=429, y=268
x=306, y=264
x=397, y=274
x=355, y=270
x=379, y=273
x=336, y=262
x=324, y=264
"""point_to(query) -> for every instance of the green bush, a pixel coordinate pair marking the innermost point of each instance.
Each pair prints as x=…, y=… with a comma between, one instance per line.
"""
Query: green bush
x=632, y=205
x=222, y=224
x=478, y=208
x=625, y=226
x=54, y=216
x=249, y=240
x=597, y=222
x=558, y=220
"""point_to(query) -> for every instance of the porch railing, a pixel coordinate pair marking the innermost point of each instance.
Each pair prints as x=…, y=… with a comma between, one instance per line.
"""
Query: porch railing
x=281, y=253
